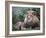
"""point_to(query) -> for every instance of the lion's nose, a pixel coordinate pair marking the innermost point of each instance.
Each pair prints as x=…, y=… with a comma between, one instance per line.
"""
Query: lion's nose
x=28, y=16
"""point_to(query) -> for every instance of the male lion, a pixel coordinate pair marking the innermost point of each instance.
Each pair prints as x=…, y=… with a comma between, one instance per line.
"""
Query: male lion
x=31, y=20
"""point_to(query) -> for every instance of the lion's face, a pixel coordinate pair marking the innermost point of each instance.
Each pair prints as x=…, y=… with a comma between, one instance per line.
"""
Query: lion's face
x=30, y=16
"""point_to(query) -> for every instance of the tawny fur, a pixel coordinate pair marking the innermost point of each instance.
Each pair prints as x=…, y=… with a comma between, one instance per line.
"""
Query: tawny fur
x=31, y=20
